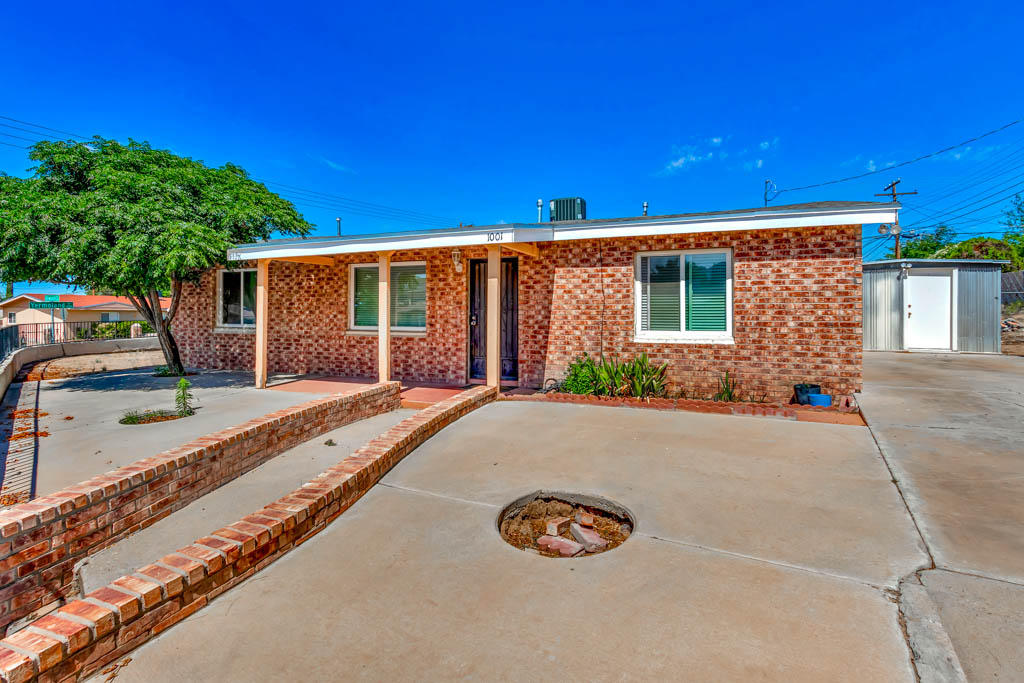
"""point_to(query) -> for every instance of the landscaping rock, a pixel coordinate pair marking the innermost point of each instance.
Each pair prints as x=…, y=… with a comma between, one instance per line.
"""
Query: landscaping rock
x=588, y=538
x=585, y=519
x=557, y=526
x=562, y=546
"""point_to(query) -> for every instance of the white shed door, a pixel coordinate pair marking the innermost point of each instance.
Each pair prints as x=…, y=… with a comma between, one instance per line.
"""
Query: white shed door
x=927, y=321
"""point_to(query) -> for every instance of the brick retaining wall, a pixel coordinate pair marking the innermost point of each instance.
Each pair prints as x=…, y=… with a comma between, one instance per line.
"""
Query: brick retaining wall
x=41, y=541
x=82, y=636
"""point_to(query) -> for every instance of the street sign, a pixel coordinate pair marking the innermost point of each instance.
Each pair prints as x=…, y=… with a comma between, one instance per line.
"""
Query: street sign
x=51, y=304
x=51, y=297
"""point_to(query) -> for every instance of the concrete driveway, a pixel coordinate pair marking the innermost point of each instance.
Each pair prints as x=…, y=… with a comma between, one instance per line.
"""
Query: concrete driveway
x=952, y=429
x=764, y=550
x=84, y=436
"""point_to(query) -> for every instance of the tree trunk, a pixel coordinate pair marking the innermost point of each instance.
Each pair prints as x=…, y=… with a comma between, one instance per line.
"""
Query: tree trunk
x=149, y=306
x=10, y=291
x=163, y=333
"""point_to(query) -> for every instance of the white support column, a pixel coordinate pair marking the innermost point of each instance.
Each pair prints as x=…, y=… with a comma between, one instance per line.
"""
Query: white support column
x=493, y=316
x=262, y=293
x=383, y=316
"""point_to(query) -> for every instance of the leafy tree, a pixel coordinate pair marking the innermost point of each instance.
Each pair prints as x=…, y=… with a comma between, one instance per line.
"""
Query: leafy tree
x=1013, y=219
x=131, y=220
x=985, y=248
x=925, y=245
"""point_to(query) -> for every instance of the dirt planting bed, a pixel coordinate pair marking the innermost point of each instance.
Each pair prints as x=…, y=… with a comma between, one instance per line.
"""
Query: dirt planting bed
x=565, y=524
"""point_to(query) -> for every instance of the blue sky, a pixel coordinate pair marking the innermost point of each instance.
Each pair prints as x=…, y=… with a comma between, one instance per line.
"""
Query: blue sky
x=471, y=112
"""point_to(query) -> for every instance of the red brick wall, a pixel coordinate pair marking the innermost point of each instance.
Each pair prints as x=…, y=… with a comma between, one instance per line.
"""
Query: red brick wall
x=796, y=311
x=41, y=541
x=79, y=638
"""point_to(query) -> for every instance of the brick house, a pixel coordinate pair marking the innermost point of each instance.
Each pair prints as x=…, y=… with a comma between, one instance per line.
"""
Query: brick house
x=772, y=295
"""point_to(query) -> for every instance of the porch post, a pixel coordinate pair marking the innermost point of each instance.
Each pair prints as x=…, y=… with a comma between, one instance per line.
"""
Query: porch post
x=262, y=277
x=383, y=316
x=493, y=315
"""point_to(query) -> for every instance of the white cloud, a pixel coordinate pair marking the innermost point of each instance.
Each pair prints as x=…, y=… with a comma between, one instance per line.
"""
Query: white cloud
x=768, y=144
x=871, y=165
x=687, y=156
x=336, y=166
x=760, y=163
x=716, y=141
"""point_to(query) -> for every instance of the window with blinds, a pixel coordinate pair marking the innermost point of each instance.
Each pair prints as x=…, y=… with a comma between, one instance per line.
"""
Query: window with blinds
x=684, y=294
x=408, y=303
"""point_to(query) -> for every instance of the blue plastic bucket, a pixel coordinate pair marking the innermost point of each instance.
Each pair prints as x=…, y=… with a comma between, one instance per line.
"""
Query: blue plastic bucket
x=822, y=400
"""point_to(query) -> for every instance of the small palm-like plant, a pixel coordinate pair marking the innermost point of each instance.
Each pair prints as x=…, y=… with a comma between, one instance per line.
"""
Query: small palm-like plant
x=728, y=388
x=643, y=378
x=183, y=398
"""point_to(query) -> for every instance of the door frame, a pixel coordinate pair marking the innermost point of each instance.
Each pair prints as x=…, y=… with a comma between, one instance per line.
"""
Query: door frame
x=469, y=298
x=954, y=277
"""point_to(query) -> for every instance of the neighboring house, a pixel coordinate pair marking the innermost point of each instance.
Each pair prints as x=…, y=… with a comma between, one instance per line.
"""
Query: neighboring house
x=87, y=308
x=772, y=295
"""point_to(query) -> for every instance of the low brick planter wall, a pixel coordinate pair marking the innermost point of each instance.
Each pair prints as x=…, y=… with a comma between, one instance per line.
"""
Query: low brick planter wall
x=834, y=415
x=41, y=541
x=82, y=636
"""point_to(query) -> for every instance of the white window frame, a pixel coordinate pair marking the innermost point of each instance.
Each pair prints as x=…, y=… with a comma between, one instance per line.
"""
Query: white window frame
x=112, y=317
x=683, y=336
x=352, y=267
x=220, y=298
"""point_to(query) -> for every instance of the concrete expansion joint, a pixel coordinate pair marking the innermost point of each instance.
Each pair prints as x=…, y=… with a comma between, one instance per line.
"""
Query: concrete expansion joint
x=438, y=495
x=931, y=650
x=762, y=560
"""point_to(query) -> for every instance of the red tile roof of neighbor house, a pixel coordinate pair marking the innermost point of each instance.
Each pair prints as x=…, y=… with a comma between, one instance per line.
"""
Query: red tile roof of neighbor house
x=96, y=301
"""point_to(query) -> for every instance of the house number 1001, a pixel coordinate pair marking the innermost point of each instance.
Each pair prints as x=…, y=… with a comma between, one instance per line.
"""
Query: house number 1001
x=494, y=236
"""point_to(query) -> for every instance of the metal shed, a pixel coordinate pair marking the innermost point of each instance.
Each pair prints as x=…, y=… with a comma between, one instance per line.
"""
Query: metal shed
x=933, y=305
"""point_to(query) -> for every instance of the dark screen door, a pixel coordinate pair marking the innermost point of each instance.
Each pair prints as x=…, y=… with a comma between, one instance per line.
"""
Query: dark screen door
x=509, y=319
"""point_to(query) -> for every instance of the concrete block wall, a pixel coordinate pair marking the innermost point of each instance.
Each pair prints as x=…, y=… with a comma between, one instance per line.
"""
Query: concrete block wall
x=41, y=541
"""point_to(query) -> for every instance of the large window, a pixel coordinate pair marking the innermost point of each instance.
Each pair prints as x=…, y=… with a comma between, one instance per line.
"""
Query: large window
x=237, y=304
x=408, y=304
x=684, y=295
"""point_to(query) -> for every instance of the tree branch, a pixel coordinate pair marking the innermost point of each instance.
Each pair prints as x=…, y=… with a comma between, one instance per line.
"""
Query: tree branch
x=142, y=307
x=175, y=300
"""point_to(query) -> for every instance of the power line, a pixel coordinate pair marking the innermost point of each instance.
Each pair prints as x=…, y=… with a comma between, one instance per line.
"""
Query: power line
x=36, y=125
x=349, y=200
x=306, y=197
x=10, y=145
x=902, y=163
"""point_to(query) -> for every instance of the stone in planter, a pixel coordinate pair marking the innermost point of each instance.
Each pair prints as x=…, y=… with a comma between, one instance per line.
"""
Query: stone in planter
x=588, y=538
x=557, y=526
x=562, y=546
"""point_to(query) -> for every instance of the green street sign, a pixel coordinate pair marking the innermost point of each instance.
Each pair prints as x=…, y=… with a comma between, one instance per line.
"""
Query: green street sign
x=51, y=304
x=51, y=297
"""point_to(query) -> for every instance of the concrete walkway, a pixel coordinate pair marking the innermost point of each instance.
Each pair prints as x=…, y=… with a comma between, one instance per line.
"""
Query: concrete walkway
x=236, y=499
x=84, y=436
x=764, y=550
x=951, y=428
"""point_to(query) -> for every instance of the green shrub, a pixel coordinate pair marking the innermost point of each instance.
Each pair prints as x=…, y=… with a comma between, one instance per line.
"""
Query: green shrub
x=643, y=379
x=728, y=389
x=579, y=379
x=1013, y=308
x=183, y=398
x=131, y=417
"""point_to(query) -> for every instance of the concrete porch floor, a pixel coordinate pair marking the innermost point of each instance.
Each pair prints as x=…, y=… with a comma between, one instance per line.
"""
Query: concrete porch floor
x=414, y=394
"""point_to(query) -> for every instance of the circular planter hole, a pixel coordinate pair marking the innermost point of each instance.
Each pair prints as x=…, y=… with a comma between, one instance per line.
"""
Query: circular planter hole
x=560, y=524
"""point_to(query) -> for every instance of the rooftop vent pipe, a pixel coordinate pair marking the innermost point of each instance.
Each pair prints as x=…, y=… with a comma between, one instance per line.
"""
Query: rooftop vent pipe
x=540, y=209
x=645, y=208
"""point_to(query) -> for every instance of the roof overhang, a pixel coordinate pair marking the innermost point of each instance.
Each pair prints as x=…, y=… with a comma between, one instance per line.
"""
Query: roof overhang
x=512, y=233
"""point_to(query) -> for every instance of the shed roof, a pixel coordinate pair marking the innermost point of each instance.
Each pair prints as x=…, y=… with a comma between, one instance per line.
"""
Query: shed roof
x=946, y=262
x=785, y=216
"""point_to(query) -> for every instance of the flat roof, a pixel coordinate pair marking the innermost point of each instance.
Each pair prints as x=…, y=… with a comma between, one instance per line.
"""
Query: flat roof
x=762, y=218
x=936, y=262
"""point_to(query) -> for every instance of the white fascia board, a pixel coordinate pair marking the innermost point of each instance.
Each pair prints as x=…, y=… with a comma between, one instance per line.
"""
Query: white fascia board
x=499, y=234
x=512, y=233
x=724, y=224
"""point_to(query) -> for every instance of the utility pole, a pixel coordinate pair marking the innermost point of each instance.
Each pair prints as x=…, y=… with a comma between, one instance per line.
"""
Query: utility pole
x=890, y=191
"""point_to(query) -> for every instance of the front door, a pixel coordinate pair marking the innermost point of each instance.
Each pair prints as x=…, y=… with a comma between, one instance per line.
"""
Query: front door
x=509, y=319
x=927, y=315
